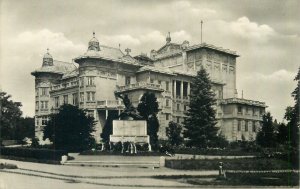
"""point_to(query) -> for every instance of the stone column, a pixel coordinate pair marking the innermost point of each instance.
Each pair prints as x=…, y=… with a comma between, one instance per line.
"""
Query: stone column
x=174, y=89
x=181, y=89
x=106, y=114
x=188, y=89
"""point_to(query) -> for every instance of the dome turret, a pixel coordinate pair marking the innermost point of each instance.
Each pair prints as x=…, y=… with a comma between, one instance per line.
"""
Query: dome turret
x=47, y=59
x=94, y=44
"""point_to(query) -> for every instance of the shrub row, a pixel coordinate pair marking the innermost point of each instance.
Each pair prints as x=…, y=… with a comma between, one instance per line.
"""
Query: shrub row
x=42, y=154
x=228, y=164
x=218, y=152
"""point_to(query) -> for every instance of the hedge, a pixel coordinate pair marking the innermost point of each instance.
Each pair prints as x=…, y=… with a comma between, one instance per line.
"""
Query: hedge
x=42, y=154
x=228, y=164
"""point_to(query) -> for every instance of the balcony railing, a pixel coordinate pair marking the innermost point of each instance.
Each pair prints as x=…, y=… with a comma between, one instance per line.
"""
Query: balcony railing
x=64, y=86
x=110, y=104
x=140, y=85
x=242, y=101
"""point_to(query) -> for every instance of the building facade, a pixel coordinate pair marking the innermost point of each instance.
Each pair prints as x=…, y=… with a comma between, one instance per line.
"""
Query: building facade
x=92, y=82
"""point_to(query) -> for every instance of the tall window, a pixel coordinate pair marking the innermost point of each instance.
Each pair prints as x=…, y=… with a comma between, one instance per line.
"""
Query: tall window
x=81, y=97
x=246, y=126
x=178, y=106
x=159, y=82
x=167, y=85
x=90, y=96
x=56, y=101
x=178, y=120
x=44, y=120
x=127, y=80
x=81, y=81
x=37, y=92
x=75, y=98
x=36, y=105
x=253, y=127
x=239, y=125
x=239, y=109
x=167, y=116
x=65, y=99
x=151, y=81
x=44, y=91
x=167, y=103
x=90, y=81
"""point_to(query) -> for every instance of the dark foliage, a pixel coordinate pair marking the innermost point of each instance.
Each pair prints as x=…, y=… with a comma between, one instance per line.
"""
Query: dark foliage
x=229, y=164
x=10, y=114
x=107, y=129
x=70, y=129
x=200, y=125
x=148, y=109
x=35, y=143
x=174, y=133
x=43, y=154
x=266, y=137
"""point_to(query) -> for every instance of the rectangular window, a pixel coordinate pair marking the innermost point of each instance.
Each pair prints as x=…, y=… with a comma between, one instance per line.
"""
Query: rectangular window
x=81, y=81
x=75, y=98
x=151, y=81
x=167, y=102
x=253, y=127
x=240, y=109
x=159, y=82
x=185, y=107
x=90, y=81
x=37, y=92
x=185, y=89
x=90, y=96
x=44, y=120
x=42, y=104
x=167, y=85
x=167, y=116
x=178, y=106
x=65, y=99
x=56, y=101
x=37, y=105
x=81, y=97
x=178, y=119
x=239, y=125
x=246, y=126
x=44, y=91
x=90, y=113
x=127, y=80
x=46, y=104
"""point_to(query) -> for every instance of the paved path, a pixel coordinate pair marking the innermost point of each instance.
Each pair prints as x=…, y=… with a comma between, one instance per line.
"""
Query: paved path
x=102, y=177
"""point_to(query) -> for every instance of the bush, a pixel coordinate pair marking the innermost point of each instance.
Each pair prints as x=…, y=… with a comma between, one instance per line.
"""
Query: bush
x=8, y=166
x=229, y=164
x=45, y=154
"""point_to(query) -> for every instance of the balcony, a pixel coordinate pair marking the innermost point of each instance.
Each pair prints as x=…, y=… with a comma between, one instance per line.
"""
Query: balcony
x=63, y=86
x=104, y=104
x=140, y=85
x=242, y=101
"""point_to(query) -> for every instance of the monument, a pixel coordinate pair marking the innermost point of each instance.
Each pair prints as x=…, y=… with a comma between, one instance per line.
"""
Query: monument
x=130, y=128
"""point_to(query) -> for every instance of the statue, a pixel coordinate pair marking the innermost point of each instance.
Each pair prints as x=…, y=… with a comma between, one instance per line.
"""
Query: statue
x=129, y=111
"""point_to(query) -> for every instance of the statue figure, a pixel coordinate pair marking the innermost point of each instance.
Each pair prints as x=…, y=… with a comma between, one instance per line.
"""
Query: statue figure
x=129, y=111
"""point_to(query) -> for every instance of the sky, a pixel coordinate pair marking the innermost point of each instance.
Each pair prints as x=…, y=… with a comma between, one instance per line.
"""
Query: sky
x=265, y=33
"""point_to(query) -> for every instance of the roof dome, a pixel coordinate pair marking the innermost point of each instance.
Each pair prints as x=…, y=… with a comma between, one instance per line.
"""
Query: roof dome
x=94, y=44
x=47, y=59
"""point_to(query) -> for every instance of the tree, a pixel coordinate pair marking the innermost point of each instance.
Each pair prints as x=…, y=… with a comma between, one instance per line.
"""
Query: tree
x=148, y=109
x=107, y=129
x=282, y=134
x=266, y=136
x=25, y=128
x=200, y=123
x=174, y=133
x=70, y=129
x=292, y=115
x=9, y=116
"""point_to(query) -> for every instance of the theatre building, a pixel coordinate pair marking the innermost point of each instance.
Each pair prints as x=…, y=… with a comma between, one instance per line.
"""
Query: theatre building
x=92, y=79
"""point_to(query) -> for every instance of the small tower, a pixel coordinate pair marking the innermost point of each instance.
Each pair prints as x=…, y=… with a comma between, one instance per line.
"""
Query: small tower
x=47, y=59
x=168, y=38
x=94, y=44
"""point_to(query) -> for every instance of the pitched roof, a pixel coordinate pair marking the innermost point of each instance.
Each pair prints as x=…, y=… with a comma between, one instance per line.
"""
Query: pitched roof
x=108, y=53
x=58, y=67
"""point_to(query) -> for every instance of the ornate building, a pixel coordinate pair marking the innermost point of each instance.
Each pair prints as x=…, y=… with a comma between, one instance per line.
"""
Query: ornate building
x=168, y=71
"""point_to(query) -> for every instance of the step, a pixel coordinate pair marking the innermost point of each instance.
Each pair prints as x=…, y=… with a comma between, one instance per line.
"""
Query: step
x=113, y=164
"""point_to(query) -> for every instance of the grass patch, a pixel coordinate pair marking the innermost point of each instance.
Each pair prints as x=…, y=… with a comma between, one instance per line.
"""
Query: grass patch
x=228, y=164
x=239, y=179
